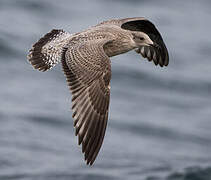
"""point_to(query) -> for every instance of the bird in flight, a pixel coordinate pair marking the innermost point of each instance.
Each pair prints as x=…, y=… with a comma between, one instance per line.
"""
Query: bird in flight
x=85, y=58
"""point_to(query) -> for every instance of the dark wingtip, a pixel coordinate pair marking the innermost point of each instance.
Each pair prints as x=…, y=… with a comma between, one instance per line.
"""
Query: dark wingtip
x=159, y=56
x=166, y=62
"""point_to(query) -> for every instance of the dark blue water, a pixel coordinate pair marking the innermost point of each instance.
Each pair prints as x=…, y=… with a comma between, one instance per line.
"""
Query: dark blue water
x=160, y=118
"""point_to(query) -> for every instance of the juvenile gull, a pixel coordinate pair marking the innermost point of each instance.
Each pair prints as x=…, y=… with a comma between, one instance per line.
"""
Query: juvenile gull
x=86, y=65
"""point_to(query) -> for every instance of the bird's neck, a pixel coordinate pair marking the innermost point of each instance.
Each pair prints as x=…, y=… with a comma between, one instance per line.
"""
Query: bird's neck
x=118, y=46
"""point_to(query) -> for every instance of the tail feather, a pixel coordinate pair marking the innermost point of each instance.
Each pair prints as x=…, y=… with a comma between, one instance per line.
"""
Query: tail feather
x=47, y=52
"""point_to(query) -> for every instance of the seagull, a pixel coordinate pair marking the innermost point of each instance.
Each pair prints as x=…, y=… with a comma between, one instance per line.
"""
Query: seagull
x=85, y=58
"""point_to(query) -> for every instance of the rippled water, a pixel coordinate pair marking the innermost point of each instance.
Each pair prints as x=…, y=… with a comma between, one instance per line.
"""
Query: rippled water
x=159, y=125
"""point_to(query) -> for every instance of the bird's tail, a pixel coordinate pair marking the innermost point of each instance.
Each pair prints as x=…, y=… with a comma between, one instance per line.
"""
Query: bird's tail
x=47, y=52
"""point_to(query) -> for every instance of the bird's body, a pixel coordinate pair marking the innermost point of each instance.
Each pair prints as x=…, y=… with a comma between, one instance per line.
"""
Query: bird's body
x=86, y=65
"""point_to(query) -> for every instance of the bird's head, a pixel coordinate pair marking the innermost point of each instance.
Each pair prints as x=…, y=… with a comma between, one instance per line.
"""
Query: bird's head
x=142, y=39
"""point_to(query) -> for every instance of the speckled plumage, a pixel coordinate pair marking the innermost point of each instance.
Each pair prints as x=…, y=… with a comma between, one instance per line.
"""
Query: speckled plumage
x=86, y=65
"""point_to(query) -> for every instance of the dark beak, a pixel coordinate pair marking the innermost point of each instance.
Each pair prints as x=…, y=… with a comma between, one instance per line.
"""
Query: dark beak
x=155, y=45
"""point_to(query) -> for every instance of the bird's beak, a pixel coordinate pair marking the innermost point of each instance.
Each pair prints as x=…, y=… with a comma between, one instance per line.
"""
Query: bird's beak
x=155, y=45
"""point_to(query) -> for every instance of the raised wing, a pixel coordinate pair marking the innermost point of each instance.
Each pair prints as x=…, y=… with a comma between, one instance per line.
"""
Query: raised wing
x=157, y=53
x=88, y=72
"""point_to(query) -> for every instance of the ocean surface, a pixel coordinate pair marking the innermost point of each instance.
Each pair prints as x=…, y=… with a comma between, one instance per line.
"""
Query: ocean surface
x=160, y=118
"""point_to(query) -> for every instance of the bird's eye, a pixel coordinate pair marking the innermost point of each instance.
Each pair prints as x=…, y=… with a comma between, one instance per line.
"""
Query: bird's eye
x=141, y=38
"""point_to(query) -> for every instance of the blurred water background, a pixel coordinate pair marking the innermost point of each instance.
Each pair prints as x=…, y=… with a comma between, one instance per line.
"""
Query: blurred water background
x=160, y=118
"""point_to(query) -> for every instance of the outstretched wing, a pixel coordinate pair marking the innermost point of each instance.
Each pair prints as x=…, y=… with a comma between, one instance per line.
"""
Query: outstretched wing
x=158, y=53
x=88, y=72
